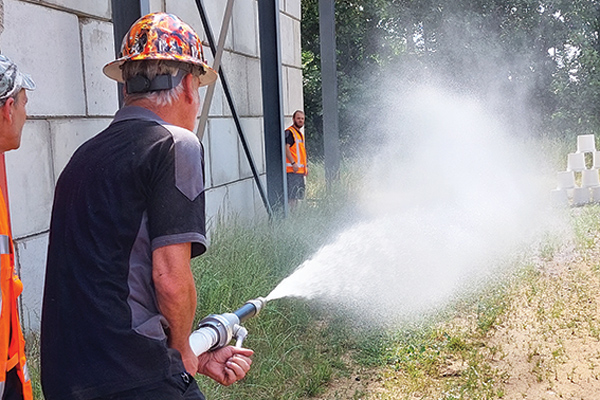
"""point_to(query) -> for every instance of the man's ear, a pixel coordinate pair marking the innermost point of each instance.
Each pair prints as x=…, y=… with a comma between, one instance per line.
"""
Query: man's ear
x=189, y=87
x=7, y=109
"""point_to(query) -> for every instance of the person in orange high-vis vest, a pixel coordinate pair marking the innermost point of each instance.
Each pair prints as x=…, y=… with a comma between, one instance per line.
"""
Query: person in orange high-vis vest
x=296, y=161
x=14, y=378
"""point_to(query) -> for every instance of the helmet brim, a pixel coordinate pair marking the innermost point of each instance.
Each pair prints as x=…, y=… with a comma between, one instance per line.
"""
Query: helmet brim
x=113, y=68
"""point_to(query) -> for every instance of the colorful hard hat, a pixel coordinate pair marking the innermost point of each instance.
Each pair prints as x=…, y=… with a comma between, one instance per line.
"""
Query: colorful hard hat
x=11, y=79
x=161, y=36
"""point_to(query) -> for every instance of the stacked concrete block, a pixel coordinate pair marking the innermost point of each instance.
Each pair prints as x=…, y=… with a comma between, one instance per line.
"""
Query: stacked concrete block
x=579, y=185
x=50, y=51
x=96, y=8
x=31, y=253
x=64, y=46
x=222, y=141
x=98, y=48
x=288, y=46
x=245, y=27
x=253, y=129
x=30, y=180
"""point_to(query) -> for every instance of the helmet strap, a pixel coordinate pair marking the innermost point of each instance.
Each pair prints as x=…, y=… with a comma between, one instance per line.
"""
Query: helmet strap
x=141, y=84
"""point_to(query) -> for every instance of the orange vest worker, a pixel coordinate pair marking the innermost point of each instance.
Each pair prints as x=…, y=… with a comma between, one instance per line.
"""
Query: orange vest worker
x=298, y=151
x=12, y=343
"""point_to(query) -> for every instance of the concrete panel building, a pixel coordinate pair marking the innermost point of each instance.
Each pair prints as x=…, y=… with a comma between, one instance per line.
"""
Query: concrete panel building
x=63, y=45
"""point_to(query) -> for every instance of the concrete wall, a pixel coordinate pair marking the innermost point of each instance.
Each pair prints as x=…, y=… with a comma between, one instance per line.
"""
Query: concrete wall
x=63, y=45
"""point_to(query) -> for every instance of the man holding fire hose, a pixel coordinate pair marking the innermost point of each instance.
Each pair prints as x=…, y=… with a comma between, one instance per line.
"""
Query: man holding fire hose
x=128, y=215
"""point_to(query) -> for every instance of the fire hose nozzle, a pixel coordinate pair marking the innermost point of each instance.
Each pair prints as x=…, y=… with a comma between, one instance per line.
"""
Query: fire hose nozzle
x=216, y=331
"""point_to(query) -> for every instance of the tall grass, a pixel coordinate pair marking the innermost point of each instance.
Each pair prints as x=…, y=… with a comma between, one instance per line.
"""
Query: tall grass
x=296, y=345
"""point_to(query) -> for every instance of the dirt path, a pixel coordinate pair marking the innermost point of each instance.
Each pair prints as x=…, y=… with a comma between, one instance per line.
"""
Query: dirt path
x=550, y=339
x=547, y=345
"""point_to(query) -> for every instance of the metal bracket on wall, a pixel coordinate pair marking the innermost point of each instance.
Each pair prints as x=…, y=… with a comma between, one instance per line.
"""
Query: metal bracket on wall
x=236, y=119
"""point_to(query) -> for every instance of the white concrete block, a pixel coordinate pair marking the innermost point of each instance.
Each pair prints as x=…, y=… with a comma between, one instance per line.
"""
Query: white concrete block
x=156, y=6
x=255, y=105
x=260, y=211
x=285, y=88
x=253, y=132
x=236, y=73
x=216, y=205
x=30, y=183
x=294, y=8
x=207, y=159
x=224, y=155
x=98, y=49
x=54, y=64
x=245, y=27
x=98, y=8
x=67, y=135
x=287, y=40
x=216, y=104
x=31, y=266
x=295, y=90
x=297, y=43
x=188, y=12
x=241, y=199
x=219, y=102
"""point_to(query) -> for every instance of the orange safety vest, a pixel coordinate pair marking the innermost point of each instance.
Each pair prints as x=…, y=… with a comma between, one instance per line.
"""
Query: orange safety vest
x=12, y=343
x=298, y=151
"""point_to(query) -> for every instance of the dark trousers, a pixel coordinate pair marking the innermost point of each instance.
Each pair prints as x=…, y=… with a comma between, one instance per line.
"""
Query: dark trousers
x=14, y=388
x=177, y=387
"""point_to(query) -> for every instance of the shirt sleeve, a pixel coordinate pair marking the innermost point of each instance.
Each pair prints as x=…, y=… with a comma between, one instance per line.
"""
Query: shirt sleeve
x=289, y=138
x=176, y=211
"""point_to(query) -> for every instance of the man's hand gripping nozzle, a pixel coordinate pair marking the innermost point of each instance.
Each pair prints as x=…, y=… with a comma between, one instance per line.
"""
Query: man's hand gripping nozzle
x=216, y=331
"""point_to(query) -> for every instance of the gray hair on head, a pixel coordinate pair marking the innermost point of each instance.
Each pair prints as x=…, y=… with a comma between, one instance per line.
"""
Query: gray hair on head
x=150, y=69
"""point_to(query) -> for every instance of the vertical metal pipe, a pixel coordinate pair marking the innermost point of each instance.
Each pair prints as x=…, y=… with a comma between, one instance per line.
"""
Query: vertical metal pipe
x=270, y=66
x=124, y=14
x=331, y=135
x=144, y=7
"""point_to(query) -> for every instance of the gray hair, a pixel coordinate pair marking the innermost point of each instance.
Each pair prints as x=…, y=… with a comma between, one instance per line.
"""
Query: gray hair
x=150, y=69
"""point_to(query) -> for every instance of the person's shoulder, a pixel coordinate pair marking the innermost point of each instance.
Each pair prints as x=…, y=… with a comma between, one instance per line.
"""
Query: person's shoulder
x=182, y=136
x=180, y=133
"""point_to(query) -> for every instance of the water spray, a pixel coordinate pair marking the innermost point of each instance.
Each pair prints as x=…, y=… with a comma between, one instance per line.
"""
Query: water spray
x=216, y=331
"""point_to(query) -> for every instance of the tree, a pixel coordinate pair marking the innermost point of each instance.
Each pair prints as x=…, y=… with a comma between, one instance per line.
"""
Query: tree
x=510, y=53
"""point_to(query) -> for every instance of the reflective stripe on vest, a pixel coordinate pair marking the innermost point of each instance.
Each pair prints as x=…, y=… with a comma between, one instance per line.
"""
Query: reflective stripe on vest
x=4, y=249
x=26, y=372
x=4, y=244
x=1, y=389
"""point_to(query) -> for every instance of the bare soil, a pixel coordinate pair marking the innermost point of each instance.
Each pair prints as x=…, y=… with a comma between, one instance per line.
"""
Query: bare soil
x=546, y=345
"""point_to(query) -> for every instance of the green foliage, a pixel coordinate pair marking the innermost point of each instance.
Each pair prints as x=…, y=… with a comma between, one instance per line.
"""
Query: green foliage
x=534, y=63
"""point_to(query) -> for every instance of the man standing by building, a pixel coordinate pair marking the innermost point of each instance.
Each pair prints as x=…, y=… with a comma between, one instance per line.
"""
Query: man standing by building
x=296, y=163
x=14, y=378
x=128, y=215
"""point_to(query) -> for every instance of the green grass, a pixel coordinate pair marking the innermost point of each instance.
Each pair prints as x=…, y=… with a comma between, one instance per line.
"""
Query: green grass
x=298, y=346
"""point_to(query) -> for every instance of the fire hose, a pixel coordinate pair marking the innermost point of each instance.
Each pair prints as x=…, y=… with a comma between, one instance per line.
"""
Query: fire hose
x=216, y=331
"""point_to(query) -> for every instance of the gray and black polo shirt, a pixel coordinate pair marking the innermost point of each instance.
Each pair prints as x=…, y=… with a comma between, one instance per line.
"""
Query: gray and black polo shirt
x=133, y=188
